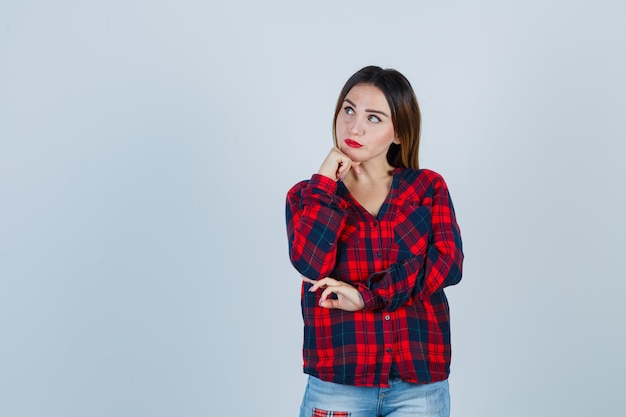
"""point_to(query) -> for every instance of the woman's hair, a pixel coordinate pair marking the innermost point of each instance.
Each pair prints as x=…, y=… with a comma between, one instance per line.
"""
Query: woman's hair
x=405, y=112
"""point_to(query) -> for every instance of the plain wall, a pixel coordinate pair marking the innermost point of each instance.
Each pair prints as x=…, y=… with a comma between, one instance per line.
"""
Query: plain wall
x=146, y=148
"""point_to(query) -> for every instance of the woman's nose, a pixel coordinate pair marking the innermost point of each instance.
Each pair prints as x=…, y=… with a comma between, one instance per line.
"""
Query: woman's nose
x=356, y=129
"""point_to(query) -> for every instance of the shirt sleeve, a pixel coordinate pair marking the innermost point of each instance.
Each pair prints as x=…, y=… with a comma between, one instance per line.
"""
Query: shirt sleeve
x=315, y=217
x=421, y=276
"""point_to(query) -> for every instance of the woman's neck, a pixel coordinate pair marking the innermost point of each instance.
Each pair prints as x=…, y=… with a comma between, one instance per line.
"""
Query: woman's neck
x=370, y=172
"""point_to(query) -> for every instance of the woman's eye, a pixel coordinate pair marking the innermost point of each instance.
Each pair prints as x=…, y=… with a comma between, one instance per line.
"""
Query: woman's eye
x=349, y=110
x=374, y=119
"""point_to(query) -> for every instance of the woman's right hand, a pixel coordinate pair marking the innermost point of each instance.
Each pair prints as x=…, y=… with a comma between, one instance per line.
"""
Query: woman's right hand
x=348, y=297
x=337, y=164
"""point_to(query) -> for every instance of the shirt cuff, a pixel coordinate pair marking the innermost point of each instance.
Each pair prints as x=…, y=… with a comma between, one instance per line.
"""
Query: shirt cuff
x=371, y=300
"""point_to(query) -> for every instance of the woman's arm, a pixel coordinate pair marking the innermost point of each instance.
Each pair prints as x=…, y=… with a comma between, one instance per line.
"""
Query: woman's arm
x=315, y=217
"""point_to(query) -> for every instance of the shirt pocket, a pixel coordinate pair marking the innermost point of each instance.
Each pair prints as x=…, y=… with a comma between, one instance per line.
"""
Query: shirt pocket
x=412, y=230
x=349, y=235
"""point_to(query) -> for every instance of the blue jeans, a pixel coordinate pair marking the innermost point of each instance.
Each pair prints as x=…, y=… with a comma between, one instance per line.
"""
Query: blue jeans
x=401, y=399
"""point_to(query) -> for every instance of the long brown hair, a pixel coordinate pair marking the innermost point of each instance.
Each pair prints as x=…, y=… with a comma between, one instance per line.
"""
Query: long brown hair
x=405, y=112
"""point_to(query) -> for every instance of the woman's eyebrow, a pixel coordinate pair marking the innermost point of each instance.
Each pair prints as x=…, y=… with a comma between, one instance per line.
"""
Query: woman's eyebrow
x=366, y=110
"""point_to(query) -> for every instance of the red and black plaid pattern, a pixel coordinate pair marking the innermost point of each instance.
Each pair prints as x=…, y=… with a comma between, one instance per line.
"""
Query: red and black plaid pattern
x=400, y=261
x=321, y=413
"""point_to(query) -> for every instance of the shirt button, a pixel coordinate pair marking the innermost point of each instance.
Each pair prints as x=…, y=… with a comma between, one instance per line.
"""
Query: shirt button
x=388, y=350
x=387, y=317
x=378, y=254
x=375, y=224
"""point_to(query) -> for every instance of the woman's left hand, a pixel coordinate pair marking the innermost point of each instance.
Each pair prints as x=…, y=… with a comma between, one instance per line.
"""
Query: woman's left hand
x=348, y=297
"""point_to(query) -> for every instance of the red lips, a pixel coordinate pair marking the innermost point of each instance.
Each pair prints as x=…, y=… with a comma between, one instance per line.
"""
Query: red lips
x=352, y=143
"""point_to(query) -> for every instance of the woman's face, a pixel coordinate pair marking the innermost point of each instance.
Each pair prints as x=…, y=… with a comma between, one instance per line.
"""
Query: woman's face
x=364, y=129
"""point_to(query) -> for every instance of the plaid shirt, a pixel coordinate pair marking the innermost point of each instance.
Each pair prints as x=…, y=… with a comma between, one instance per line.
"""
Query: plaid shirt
x=400, y=261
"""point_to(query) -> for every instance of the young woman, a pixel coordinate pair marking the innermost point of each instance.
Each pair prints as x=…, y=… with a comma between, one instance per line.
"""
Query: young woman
x=376, y=241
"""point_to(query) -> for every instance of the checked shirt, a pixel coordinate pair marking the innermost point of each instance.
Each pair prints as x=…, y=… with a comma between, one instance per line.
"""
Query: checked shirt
x=400, y=261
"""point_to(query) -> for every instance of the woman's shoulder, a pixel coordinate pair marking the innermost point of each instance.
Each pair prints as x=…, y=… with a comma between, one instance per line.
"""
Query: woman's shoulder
x=420, y=185
x=420, y=176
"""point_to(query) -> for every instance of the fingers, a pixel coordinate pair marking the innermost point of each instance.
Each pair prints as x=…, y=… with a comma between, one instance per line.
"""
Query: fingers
x=343, y=169
x=348, y=297
x=357, y=167
x=328, y=291
x=346, y=166
x=329, y=303
x=337, y=164
x=330, y=286
x=309, y=280
x=322, y=283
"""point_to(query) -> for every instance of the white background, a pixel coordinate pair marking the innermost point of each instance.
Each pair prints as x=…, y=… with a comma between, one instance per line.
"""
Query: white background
x=146, y=148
